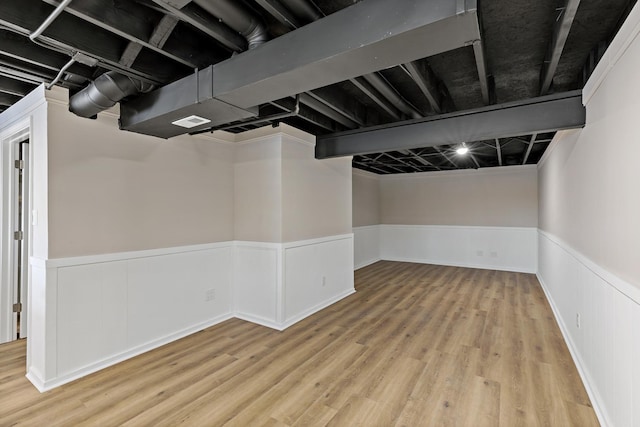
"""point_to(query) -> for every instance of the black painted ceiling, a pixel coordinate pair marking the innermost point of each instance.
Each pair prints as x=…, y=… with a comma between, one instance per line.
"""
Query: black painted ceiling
x=123, y=35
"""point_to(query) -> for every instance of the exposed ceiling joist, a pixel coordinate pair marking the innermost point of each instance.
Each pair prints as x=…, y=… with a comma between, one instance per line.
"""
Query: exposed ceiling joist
x=543, y=114
x=343, y=104
x=316, y=102
x=130, y=23
x=15, y=87
x=421, y=159
x=409, y=165
x=214, y=29
x=426, y=82
x=446, y=157
x=281, y=13
x=391, y=95
x=371, y=92
x=7, y=99
x=328, y=51
x=473, y=159
x=498, y=151
x=560, y=34
x=158, y=38
x=306, y=114
x=20, y=48
x=529, y=147
x=481, y=65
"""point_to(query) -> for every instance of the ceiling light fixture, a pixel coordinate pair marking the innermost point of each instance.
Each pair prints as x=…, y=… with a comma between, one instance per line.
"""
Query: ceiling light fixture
x=463, y=149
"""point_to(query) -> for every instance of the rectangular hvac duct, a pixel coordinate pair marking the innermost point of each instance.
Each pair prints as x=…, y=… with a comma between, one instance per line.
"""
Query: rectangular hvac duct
x=155, y=113
x=366, y=37
x=538, y=115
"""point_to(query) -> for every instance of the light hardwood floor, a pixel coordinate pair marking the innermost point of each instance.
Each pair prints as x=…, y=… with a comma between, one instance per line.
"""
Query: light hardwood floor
x=417, y=345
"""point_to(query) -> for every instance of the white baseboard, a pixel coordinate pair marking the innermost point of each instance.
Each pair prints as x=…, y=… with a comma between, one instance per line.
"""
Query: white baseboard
x=295, y=319
x=258, y=320
x=43, y=386
x=594, y=396
x=461, y=264
x=366, y=263
x=366, y=245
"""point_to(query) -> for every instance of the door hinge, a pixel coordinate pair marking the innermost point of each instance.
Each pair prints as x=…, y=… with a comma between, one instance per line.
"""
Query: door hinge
x=17, y=308
x=18, y=235
x=19, y=164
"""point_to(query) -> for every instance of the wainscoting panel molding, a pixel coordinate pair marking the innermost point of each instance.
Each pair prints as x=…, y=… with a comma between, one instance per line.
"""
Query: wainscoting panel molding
x=496, y=248
x=92, y=312
x=366, y=245
x=599, y=316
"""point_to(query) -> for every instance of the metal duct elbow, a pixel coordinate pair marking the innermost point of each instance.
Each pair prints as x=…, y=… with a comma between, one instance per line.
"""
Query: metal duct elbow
x=239, y=18
x=104, y=92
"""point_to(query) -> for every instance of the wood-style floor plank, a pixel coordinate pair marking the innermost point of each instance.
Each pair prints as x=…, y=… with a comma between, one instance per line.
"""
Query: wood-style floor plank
x=417, y=345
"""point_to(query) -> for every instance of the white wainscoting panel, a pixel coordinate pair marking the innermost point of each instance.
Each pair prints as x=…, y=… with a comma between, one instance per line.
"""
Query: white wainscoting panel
x=366, y=245
x=92, y=312
x=279, y=284
x=605, y=340
x=496, y=248
x=101, y=310
x=316, y=274
x=257, y=277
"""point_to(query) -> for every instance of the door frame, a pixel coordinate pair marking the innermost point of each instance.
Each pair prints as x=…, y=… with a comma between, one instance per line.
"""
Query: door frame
x=9, y=140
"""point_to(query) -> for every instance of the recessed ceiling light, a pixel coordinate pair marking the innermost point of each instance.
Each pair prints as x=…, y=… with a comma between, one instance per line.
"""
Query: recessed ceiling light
x=191, y=122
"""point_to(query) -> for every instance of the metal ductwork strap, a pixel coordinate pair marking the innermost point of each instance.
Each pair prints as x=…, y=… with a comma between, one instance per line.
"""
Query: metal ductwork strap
x=104, y=92
x=239, y=18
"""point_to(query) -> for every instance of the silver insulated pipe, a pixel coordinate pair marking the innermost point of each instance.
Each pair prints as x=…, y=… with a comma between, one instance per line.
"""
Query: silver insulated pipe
x=238, y=17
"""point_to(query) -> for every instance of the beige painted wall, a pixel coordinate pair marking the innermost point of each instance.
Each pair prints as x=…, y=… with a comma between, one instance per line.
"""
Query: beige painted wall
x=589, y=193
x=316, y=195
x=283, y=194
x=114, y=191
x=258, y=190
x=501, y=197
x=366, y=198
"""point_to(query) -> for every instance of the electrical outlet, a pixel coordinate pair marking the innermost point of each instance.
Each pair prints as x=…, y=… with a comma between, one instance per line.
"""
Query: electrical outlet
x=494, y=254
x=324, y=281
x=210, y=295
x=480, y=253
x=578, y=323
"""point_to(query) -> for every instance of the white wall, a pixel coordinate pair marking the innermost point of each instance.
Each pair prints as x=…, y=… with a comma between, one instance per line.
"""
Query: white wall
x=107, y=308
x=590, y=232
x=366, y=245
x=494, y=248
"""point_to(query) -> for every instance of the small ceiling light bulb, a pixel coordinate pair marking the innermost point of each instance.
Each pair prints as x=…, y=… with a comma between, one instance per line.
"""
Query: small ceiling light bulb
x=462, y=150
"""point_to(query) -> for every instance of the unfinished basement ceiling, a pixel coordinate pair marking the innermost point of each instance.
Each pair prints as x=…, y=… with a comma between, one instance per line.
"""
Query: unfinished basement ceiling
x=523, y=50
